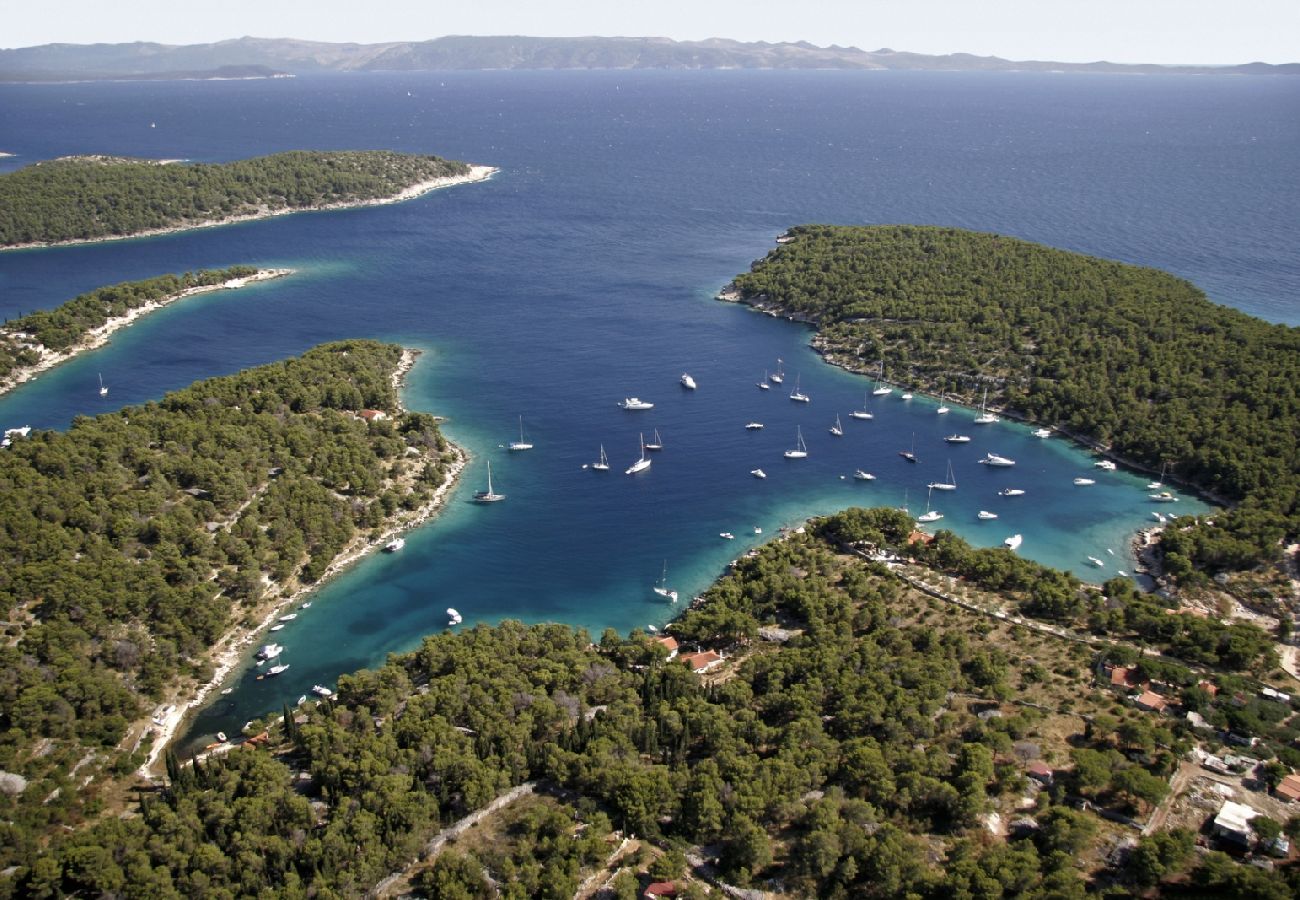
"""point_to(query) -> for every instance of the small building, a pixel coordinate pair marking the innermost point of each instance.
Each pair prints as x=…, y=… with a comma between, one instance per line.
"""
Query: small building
x=373, y=415
x=1152, y=701
x=1233, y=823
x=658, y=890
x=1040, y=771
x=703, y=661
x=669, y=643
x=1288, y=788
x=1209, y=687
x=1121, y=676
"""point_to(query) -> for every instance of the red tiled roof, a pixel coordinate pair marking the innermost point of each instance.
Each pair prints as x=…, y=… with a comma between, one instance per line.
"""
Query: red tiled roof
x=701, y=661
x=661, y=889
x=1152, y=700
x=1119, y=676
x=1289, y=788
x=668, y=641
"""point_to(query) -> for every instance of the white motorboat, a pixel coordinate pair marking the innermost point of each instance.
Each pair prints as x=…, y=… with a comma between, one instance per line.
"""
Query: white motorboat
x=778, y=377
x=907, y=396
x=1105, y=464
x=1043, y=433
x=985, y=417
x=985, y=514
x=688, y=382
x=321, y=690
x=1011, y=492
x=488, y=496
x=394, y=545
x=662, y=588
x=269, y=651
x=288, y=617
x=754, y=426
x=758, y=473
x=801, y=449
x=958, y=439
x=860, y=475
x=276, y=670
x=657, y=443
x=1013, y=542
x=1095, y=561
x=1163, y=497
x=1084, y=481
x=758, y=529
x=797, y=395
x=453, y=617
x=881, y=389
x=726, y=536
x=949, y=485
x=103, y=391
x=1159, y=517
x=641, y=464
x=636, y=403
x=276, y=627
x=837, y=429
x=603, y=464
x=520, y=444
x=992, y=459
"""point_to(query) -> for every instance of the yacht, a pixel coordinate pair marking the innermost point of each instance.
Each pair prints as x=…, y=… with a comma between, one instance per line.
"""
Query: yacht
x=1105, y=464
x=985, y=417
x=1084, y=481
x=881, y=389
x=603, y=464
x=488, y=496
x=641, y=464
x=688, y=382
x=1163, y=497
x=1159, y=517
x=778, y=376
x=801, y=449
x=754, y=426
x=520, y=444
x=758, y=473
x=321, y=690
x=1011, y=492
x=1043, y=433
x=1013, y=542
x=662, y=588
x=837, y=429
x=394, y=545
x=985, y=514
x=992, y=459
x=949, y=485
x=797, y=395
x=657, y=443
x=958, y=439
x=863, y=476
x=636, y=403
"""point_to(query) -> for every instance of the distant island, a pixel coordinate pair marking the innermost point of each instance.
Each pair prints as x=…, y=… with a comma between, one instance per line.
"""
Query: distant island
x=95, y=198
x=34, y=343
x=70, y=62
x=1133, y=360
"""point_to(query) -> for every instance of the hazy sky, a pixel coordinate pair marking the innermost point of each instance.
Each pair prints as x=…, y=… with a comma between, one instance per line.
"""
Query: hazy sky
x=1159, y=31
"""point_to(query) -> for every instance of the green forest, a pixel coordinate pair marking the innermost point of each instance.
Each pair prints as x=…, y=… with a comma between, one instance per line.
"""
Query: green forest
x=63, y=326
x=1133, y=358
x=132, y=541
x=96, y=197
x=859, y=756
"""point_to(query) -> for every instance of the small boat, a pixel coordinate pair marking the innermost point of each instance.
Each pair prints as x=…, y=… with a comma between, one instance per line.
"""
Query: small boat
x=103, y=391
x=754, y=426
x=520, y=444
x=488, y=496
x=1163, y=497
x=1159, y=517
x=758, y=529
x=942, y=410
x=949, y=485
x=1013, y=542
x=276, y=627
x=454, y=617
x=662, y=588
x=910, y=455
x=763, y=385
x=837, y=429
x=1105, y=464
x=636, y=403
x=269, y=651
x=394, y=545
x=288, y=617
x=225, y=691
x=779, y=376
x=688, y=382
x=797, y=395
x=306, y=605
x=881, y=389
x=992, y=459
x=1043, y=433
x=276, y=670
x=801, y=449
x=221, y=736
x=653, y=629
x=321, y=690
x=985, y=514
x=758, y=473
x=1011, y=492
x=603, y=464
x=302, y=698
x=726, y=535
x=657, y=443
x=930, y=515
x=863, y=413
x=1095, y=561
x=641, y=464
x=985, y=417
x=1159, y=482
x=863, y=476
x=1084, y=481
x=1121, y=572
x=907, y=396
x=958, y=439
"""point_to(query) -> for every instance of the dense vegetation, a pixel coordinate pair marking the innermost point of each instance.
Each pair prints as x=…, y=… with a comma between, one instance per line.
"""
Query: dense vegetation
x=848, y=761
x=89, y=198
x=63, y=326
x=1133, y=358
x=131, y=542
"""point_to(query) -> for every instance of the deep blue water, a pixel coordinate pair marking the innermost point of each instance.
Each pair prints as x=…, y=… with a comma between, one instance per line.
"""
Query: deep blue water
x=584, y=273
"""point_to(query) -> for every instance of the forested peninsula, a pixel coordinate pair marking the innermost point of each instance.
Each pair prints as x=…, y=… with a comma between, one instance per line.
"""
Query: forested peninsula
x=858, y=727
x=33, y=343
x=139, y=549
x=1133, y=359
x=94, y=198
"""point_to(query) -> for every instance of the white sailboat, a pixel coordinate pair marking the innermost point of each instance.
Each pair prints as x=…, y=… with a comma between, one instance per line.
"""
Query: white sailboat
x=520, y=444
x=943, y=409
x=488, y=496
x=641, y=464
x=837, y=429
x=948, y=485
x=881, y=389
x=985, y=417
x=103, y=391
x=657, y=443
x=763, y=385
x=603, y=464
x=863, y=413
x=1159, y=482
x=797, y=395
x=929, y=515
x=778, y=376
x=801, y=449
x=662, y=588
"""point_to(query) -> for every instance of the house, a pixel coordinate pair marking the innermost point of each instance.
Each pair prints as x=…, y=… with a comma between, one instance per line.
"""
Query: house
x=373, y=415
x=1121, y=676
x=1040, y=771
x=1233, y=823
x=669, y=643
x=919, y=537
x=659, y=889
x=1152, y=701
x=703, y=661
x=1209, y=687
x=1288, y=788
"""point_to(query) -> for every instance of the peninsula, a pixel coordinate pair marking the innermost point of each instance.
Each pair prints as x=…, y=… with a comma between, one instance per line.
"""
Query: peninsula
x=1134, y=360
x=37, y=342
x=95, y=198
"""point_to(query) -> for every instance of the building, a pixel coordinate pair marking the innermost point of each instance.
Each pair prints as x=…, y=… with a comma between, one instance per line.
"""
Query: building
x=373, y=415
x=1233, y=823
x=669, y=643
x=1040, y=771
x=702, y=662
x=659, y=890
x=1152, y=701
x=1288, y=788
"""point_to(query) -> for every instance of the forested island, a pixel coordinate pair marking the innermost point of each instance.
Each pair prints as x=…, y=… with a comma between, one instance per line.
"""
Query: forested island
x=1133, y=359
x=91, y=198
x=33, y=343
x=857, y=726
x=140, y=548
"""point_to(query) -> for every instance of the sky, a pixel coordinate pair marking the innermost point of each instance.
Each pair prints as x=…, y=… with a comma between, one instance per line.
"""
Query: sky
x=1132, y=31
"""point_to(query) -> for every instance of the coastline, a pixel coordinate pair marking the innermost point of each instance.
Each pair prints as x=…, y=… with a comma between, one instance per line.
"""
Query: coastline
x=231, y=647
x=419, y=189
x=98, y=337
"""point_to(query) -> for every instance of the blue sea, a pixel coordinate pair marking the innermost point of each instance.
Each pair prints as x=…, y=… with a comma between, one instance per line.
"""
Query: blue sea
x=586, y=271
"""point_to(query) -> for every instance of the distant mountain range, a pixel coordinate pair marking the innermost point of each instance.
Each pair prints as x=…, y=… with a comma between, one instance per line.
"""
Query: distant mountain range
x=263, y=58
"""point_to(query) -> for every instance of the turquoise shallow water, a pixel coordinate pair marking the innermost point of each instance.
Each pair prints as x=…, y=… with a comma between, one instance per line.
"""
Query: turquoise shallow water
x=585, y=273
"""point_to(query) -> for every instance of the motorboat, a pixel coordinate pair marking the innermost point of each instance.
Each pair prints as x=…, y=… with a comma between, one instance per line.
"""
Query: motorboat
x=906, y=396
x=1163, y=497
x=321, y=690
x=1095, y=561
x=726, y=535
x=453, y=617
x=801, y=449
x=1011, y=492
x=1105, y=464
x=489, y=495
x=1013, y=542
x=276, y=670
x=863, y=476
x=1043, y=433
x=992, y=459
x=758, y=473
x=985, y=514
x=958, y=439
x=269, y=651
x=1084, y=481
x=754, y=426
x=688, y=382
x=636, y=403
x=641, y=464
x=394, y=545
x=288, y=617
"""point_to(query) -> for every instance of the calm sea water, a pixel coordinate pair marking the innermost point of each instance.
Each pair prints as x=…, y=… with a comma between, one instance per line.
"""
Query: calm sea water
x=585, y=273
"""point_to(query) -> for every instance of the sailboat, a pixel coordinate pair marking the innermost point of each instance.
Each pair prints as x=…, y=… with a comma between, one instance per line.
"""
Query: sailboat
x=930, y=515
x=910, y=455
x=837, y=429
x=488, y=496
x=520, y=444
x=603, y=465
x=779, y=376
x=985, y=417
x=657, y=443
x=641, y=464
x=949, y=485
x=881, y=389
x=801, y=449
x=763, y=385
x=798, y=395
x=1159, y=482
x=863, y=413
x=662, y=588
x=103, y=391
x=943, y=409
